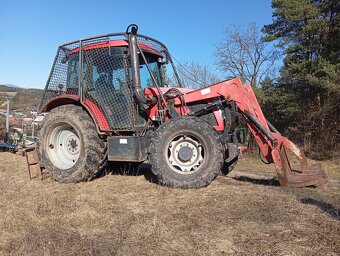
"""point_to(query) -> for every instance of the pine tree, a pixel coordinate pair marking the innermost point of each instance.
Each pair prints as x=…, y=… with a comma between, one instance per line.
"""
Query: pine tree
x=309, y=33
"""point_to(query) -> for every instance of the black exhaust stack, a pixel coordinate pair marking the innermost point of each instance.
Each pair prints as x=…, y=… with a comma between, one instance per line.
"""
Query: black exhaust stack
x=133, y=48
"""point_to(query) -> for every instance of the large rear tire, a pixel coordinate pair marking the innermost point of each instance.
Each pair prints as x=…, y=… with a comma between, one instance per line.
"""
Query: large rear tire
x=69, y=146
x=186, y=153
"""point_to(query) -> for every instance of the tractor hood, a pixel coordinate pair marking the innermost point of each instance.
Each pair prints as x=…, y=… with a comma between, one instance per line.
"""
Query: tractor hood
x=153, y=91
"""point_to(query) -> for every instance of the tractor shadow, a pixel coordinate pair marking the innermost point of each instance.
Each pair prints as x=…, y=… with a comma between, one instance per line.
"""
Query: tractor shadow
x=258, y=181
x=144, y=169
x=331, y=210
x=131, y=169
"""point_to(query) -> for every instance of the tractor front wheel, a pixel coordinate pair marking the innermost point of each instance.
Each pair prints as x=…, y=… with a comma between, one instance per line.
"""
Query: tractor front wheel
x=186, y=153
x=69, y=146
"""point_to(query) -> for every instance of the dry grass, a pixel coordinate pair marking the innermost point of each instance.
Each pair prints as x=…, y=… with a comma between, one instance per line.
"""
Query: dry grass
x=8, y=93
x=128, y=215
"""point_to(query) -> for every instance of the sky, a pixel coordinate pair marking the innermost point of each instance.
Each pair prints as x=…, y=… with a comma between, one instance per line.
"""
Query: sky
x=32, y=30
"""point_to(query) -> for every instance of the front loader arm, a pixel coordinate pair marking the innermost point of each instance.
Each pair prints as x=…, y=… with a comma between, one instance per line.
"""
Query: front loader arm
x=244, y=97
x=274, y=147
x=247, y=104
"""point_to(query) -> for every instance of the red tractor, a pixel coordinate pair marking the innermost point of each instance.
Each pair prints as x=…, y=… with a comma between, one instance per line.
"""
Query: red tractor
x=119, y=98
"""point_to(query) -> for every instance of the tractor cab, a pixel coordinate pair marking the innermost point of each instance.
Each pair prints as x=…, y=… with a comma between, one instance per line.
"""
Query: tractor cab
x=100, y=73
x=108, y=68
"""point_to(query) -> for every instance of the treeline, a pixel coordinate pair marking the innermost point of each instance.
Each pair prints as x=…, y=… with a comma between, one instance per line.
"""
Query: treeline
x=305, y=100
x=21, y=98
x=8, y=88
x=27, y=99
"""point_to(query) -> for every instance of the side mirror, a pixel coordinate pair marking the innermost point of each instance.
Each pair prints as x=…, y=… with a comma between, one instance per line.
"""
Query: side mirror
x=65, y=59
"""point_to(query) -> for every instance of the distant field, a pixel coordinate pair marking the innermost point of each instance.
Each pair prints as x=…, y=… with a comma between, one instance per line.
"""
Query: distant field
x=246, y=213
x=8, y=93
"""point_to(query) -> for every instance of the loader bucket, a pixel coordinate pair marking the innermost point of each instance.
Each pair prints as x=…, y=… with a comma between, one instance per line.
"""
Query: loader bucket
x=300, y=173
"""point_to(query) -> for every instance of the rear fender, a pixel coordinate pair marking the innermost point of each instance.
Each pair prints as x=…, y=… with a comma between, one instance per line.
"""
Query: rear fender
x=96, y=114
x=59, y=101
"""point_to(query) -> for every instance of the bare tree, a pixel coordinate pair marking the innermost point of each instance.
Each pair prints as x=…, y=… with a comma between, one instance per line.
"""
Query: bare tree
x=196, y=75
x=244, y=54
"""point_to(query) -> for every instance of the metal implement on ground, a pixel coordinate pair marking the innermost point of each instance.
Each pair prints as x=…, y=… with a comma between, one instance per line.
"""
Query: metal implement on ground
x=119, y=98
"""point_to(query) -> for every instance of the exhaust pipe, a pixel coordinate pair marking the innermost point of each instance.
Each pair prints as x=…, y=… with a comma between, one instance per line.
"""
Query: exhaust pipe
x=133, y=48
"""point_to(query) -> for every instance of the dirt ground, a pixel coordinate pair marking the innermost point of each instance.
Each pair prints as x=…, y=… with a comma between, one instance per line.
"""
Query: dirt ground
x=245, y=213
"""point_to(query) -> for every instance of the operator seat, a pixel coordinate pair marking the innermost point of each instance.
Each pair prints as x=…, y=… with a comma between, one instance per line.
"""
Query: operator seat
x=103, y=85
x=105, y=95
x=114, y=102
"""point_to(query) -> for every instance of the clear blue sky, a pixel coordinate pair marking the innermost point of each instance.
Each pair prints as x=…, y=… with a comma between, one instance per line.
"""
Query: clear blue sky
x=31, y=30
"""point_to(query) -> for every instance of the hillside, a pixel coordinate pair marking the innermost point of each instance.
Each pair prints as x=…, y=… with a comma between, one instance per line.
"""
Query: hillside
x=22, y=98
x=8, y=88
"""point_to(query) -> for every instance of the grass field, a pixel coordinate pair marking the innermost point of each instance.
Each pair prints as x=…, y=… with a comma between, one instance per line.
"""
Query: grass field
x=246, y=213
x=8, y=93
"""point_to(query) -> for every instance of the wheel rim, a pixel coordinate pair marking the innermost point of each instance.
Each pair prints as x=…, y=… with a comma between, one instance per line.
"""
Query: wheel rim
x=63, y=146
x=185, y=154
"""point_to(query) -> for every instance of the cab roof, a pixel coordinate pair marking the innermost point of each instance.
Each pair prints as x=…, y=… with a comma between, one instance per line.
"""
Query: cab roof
x=116, y=43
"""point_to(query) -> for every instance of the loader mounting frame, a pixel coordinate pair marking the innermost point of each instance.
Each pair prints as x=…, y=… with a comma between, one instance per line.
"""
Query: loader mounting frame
x=274, y=147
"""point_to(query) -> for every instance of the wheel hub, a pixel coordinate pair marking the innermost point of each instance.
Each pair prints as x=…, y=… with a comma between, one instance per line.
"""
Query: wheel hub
x=185, y=154
x=73, y=145
x=63, y=146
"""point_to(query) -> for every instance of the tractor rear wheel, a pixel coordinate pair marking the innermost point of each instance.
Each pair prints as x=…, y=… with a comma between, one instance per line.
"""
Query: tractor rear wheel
x=186, y=153
x=69, y=146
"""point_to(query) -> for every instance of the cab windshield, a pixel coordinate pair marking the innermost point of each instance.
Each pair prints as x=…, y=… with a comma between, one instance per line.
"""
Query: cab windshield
x=115, y=70
x=158, y=70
